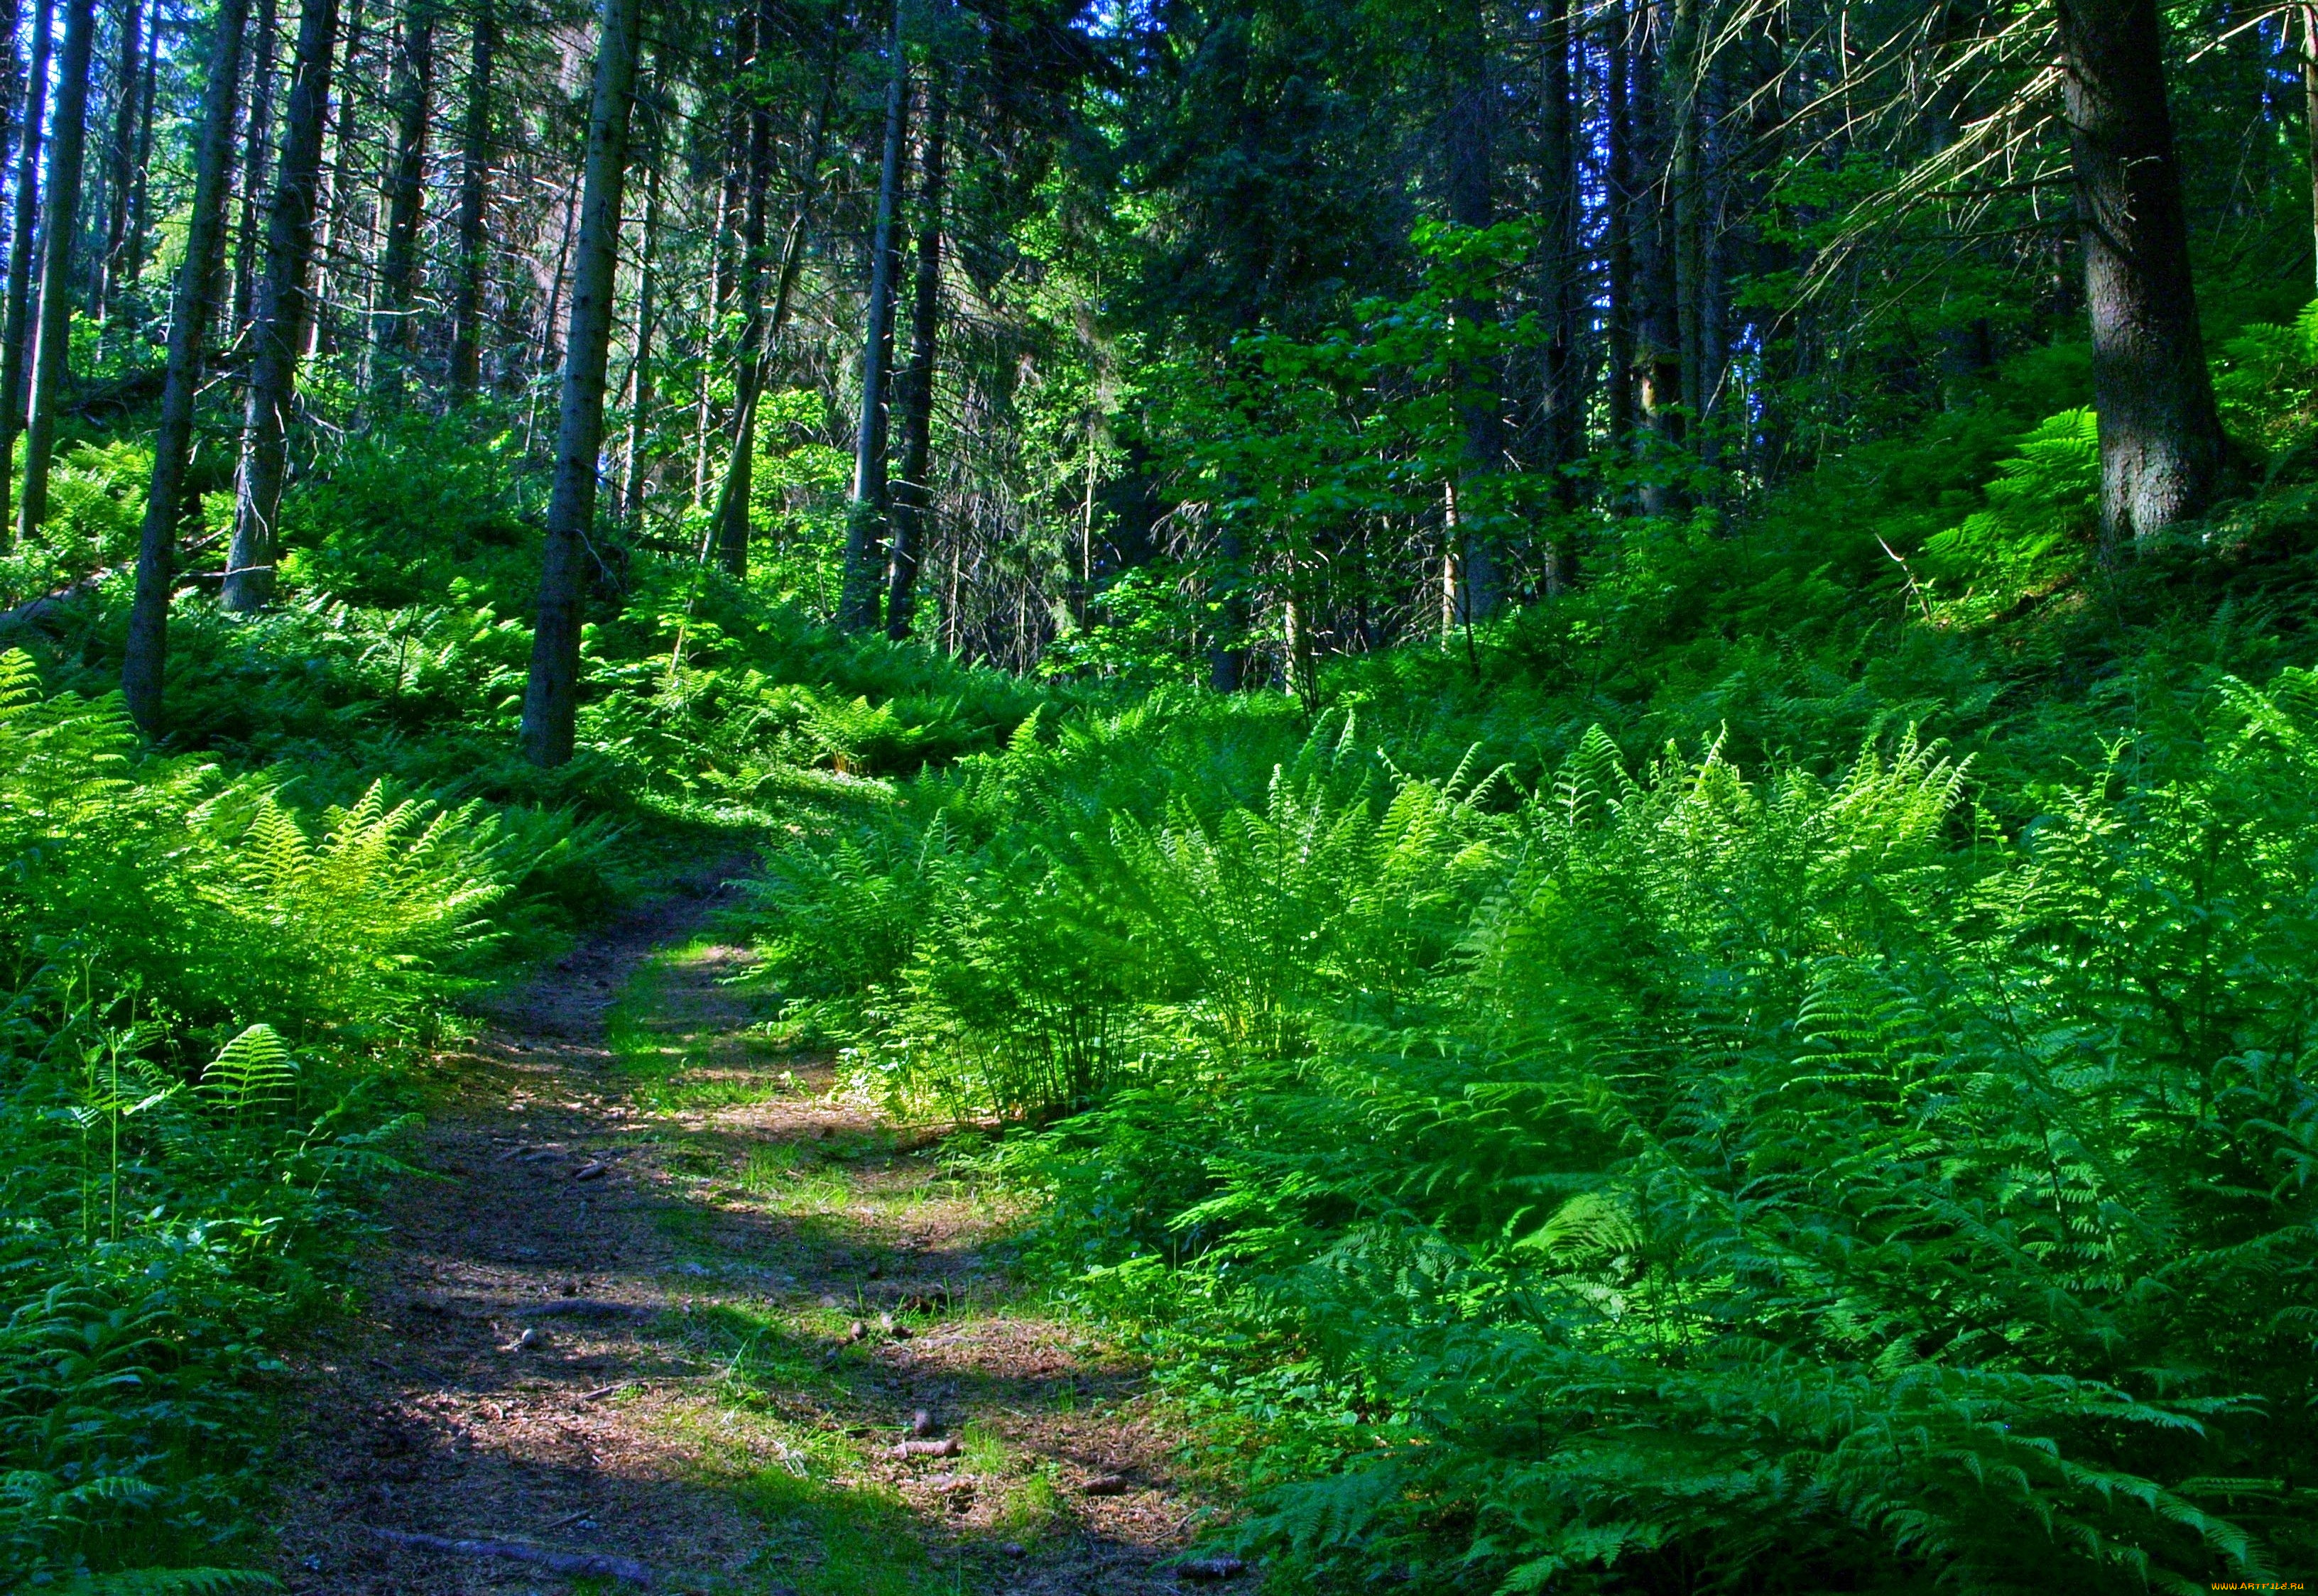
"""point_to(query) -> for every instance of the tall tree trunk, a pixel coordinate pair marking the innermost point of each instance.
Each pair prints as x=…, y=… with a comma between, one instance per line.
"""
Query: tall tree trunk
x=1619, y=241
x=278, y=327
x=1682, y=83
x=132, y=249
x=913, y=496
x=1562, y=245
x=474, y=195
x=551, y=699
x=630, y=504
x=2310, y=118
x=121, y=153
x=731, y=522
x=23, y=238
x=865, y=528
x=398, y=266
x=326, y=287
x=52, y=337
x=263, y=48
x=13, y=84
x=731, y=530
x=1657, y=358
x=1472, y=161
x=196, y=293
x=2162, y=451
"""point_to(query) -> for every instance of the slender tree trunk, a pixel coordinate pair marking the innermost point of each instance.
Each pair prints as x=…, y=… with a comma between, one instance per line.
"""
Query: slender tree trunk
x=731, y=531
x=12, y=83
x=1658, y=360
x=630, y=504
x=1472, y=202
x=1564, y=401
x=1618, y=242
x=865, y=531
x=23, y=237
x=551, y=698
x=2162, y=455
x=1682, y=85
x=474, y=195
x=121, y=153
x=263, y=47
x=197, y=285
x=398, y=266
x=913, y=496
x=2310, y=117
x=277, y=332
x=328, y=286
x=52, y=337
x=132, y=255
x=731, y=522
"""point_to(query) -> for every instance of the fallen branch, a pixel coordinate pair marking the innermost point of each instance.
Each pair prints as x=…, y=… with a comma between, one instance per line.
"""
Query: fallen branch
x=595, y=1562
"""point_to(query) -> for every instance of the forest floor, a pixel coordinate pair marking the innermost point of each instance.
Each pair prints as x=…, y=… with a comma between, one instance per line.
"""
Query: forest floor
x=665, y=1310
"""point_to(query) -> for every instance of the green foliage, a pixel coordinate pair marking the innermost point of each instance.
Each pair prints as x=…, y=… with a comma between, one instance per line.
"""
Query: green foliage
x=179, y=1175
x=2042, y=513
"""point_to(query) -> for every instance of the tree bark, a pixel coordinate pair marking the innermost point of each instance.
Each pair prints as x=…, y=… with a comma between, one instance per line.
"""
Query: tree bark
x=52, y=339
x=1657, y=358
x=639, y=369
x=474, y=195
x=1619, y=229
x=864, y=529
x=914, y=493
x=278, y=327
x=2310, y=118
x=120, y=172
x=263, y=47
x=24, y=233
x=2162, y=451
x=398, y=266
x=1472, y=203
x=731, y=530
x=551, y=698
x=325, y=288
x=196, y=293
x=132, y=252
x=1562, y=252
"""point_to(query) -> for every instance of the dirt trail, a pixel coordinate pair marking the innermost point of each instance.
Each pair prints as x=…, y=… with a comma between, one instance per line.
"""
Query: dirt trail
x=667, y=1306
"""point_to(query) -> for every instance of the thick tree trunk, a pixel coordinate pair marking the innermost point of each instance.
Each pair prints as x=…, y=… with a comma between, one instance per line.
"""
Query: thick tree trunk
x=121, y=153
x=52, y=336
x=474, y=195
x=398, y=266
x=197, y=285
x=865, y=530
x=278, y=327
x=263, y=47
x=551, y=699
x=2162, y=451
x=731, y=531
x=914, y=493
x=1472, y=159
x=24, y=241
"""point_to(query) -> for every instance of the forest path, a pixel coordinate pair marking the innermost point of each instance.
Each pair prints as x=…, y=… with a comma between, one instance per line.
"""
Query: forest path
x=667, y=1308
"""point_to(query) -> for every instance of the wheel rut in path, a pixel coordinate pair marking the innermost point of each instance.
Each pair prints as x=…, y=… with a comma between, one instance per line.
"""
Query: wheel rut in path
x=662, y=1305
